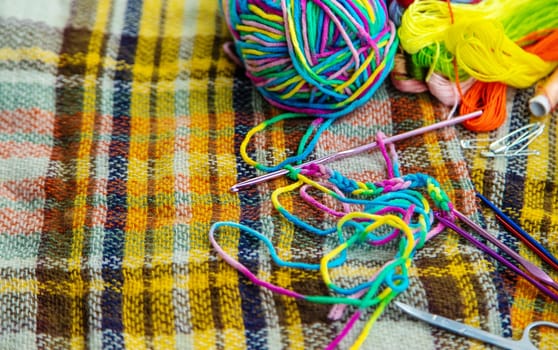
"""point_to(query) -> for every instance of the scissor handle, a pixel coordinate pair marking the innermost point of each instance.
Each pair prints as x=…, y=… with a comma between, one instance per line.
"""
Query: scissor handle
x=526, y=338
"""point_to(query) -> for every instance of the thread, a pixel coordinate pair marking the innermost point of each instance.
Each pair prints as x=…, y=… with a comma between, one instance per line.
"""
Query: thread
x=401, y=79
x=446, y=91
x=542, y=43
x=397, y=208
x=481, y=38
x=419, y=19
x=482, y=50
x=407, y=3
x=318, y=57
x=491, y=97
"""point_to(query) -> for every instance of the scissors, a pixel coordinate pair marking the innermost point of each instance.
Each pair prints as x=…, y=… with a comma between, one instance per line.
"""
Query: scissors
x=524, y=343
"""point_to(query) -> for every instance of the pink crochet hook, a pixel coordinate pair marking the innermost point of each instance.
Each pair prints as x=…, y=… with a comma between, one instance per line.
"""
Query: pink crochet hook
x=359, y=149
x=531, y=272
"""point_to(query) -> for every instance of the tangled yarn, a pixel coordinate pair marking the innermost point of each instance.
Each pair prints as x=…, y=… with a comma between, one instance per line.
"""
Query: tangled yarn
x=397, y=209
x=318, y=57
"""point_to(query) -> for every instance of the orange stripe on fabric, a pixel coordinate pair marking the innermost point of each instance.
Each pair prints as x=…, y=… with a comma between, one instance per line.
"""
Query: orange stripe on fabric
x=133, y=302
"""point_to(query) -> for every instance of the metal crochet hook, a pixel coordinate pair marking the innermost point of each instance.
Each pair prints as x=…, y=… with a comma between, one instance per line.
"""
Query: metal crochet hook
x=512, y=144
x=524, y=343
x=359, y=149
x=526, y=269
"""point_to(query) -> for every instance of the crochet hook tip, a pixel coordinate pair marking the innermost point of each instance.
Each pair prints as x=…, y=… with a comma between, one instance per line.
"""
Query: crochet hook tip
x=255, y=180
x=456, y=120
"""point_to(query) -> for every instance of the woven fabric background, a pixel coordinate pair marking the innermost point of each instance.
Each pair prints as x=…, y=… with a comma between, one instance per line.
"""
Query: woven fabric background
x=120, y=124
x=526, y=189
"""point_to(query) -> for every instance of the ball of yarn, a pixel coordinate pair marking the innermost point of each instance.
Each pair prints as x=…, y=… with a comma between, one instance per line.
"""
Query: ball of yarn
x=318, y=57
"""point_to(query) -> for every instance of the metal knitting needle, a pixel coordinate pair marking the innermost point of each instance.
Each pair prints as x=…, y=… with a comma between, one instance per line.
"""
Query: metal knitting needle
x=357, y=150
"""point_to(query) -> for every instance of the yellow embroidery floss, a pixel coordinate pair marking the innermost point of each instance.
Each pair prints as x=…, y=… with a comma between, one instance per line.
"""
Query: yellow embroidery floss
x=486, y=42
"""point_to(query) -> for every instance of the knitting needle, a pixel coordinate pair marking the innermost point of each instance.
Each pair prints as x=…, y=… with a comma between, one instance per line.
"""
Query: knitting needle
x=532, y=273
x=359, y=149
x=533, y=269
x=520, y=233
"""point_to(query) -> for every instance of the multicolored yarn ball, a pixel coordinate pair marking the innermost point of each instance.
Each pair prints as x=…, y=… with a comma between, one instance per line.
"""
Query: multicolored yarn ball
x=317, y=57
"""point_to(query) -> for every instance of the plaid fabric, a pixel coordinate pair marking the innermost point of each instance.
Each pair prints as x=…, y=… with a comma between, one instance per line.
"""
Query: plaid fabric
x=120, y=124
x=526, y=189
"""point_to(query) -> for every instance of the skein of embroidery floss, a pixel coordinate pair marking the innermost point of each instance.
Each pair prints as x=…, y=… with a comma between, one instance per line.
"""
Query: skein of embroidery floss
x=446, y=91
x=317, y=57
x=489, y=41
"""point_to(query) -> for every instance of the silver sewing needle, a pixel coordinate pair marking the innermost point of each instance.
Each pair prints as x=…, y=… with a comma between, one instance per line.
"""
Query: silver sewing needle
x=359, y=149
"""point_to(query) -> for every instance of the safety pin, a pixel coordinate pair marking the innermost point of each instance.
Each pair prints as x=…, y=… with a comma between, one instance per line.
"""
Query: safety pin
x=513, y=144
x=357, y=150
x=490, y=154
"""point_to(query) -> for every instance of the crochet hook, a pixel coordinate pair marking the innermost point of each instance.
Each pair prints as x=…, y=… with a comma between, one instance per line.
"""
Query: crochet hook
x=359, y=149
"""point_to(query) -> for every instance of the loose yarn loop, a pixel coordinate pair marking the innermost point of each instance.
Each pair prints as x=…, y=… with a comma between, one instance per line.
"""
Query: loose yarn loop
x=397, y=208
x=318, y=57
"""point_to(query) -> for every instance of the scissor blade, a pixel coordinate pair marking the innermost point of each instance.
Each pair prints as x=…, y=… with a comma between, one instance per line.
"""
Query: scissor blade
x=459, y=328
